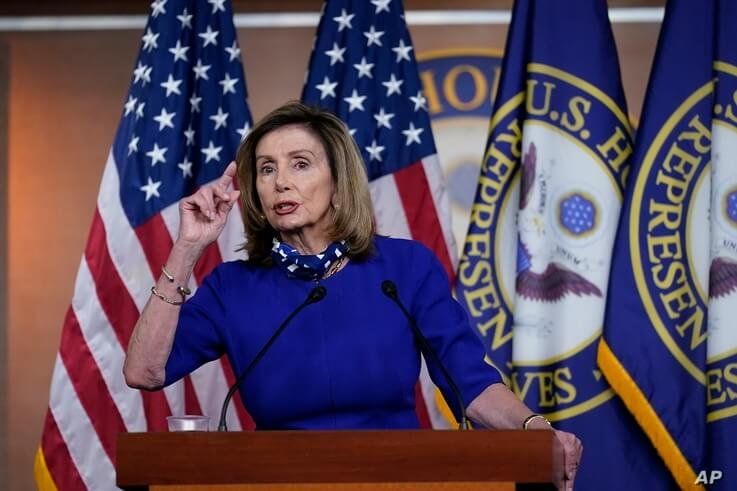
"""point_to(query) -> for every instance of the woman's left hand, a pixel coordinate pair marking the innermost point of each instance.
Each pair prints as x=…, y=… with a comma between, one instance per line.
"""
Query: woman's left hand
x=572, y=449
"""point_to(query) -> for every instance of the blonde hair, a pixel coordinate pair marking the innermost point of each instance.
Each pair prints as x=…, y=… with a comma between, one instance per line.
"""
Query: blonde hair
x=352, y=215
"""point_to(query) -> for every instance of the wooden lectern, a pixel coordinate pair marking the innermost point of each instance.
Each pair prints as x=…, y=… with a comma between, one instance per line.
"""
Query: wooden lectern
x=338, y=460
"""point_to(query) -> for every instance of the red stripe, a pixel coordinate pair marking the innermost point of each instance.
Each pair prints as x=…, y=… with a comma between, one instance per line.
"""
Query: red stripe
x=422, y=216
x=191, y=404
x=156, y=243
x=89, y=384
x=120, y=310
x=208, y=260
x=58, y=459
x=421, y=407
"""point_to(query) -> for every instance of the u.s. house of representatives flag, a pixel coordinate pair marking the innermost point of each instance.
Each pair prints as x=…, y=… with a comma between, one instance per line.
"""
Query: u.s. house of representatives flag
x=670, y=346
x=184, y=116
x=535, y=265
x=363, y=69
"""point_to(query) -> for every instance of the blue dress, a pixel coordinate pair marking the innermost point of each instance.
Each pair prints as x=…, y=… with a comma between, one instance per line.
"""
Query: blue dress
x=347, y=362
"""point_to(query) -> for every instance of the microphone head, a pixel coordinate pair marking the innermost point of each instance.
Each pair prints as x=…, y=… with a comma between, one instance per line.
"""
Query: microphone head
x=317, y=294
x=389, y=288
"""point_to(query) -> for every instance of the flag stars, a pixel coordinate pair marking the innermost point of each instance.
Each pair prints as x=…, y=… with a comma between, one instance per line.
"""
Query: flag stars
x=326, y=88
x=344, y=20
x=133, y=145
x=150, y=40
x=139, y=109
x=189, y=135
x=381, y=5
x=373, y=36
x=172, y=86
x=412, y=134
x=335, y=54
x=142, y=73
x=186, y=19
x=217, y=5
x=130, y=104
x=200, y=70
x=393, y=85
x=244, y=131
x=228, y=84
x=419, y=101
x=151, y=189
x=402, y=51
x=158, y=8
x=157, y=155
x=165, y=119
x=234, y=51
x=179, y=52
x=374, y=151
x=209, y=36
x=383, y=119
x=220, y=119
x=186, y=167
x=355, y=101
x=364, y=68
x=212, y=152
x=194, y=101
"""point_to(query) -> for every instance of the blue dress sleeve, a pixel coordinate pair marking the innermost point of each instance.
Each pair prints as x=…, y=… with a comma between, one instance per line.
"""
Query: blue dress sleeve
x=198, y=338
x=446, y=325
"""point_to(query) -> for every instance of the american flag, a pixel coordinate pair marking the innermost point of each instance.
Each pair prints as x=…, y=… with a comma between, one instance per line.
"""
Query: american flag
x=363, y=69
x=183, y=118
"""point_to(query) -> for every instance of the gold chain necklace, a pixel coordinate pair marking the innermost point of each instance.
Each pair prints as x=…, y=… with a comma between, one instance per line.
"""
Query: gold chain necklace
x=334, y=268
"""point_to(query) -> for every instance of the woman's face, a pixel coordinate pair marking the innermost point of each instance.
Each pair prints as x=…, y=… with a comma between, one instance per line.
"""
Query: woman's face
x=294, y=182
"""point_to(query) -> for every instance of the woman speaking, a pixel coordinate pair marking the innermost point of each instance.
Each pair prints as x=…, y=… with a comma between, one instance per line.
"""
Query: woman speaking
x=349, y=360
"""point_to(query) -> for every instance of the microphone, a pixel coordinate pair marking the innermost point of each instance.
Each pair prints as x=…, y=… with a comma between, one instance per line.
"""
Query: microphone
x=315, y=295
x=390, y=290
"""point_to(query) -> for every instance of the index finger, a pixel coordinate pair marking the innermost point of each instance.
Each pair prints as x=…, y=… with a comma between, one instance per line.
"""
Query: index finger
x=228, y=174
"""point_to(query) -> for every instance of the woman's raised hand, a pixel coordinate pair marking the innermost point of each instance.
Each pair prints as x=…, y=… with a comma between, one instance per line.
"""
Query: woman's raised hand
x=203, y=214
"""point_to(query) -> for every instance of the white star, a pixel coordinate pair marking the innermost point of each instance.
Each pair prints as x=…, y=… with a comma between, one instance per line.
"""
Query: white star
x=133, y=145
x=185, y=19
x=375, y=151
x=412, y=134
x=195, y=102
x=244, y=131
x=381, y=5
x=186, y=167
x=139, y=110
x=164, y=119
x=221, y=119
x=335, y=54
x=364, y=68
x=217, y=5
x=179, y=52
x=419, y=101
x=172, y=86
x=189, y=135
x=234, y=51
x=151, y=189
x=142, y=72
x=373, y=36
x=212, y=152
x=130, y=105
x=402, y=51
x=209, y=36
x=393, y=85
x=157, y=155
x=200, y=70
x=228, y=84
x=382, y=118
x=149, y=40
x=158, y=8
x=326, y=88
x=355, y=101
x=344, y=20
x=352, y=131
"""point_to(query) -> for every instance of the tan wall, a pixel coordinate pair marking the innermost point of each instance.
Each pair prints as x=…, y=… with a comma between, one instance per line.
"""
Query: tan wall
x=66, y=92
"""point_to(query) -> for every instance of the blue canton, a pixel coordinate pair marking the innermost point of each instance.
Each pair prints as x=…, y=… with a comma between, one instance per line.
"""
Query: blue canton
x=186, y=110
x=363, y=69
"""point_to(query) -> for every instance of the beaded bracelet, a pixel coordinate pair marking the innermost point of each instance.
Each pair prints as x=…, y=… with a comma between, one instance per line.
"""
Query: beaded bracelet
x=156, y=293
x=529, y=419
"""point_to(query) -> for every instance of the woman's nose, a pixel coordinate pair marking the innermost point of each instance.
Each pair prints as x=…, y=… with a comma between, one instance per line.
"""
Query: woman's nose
x=281, y=182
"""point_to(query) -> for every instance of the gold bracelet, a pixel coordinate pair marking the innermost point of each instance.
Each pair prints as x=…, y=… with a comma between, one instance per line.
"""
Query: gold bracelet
x=182, y=290
x=529, y=419
x=156, y=293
